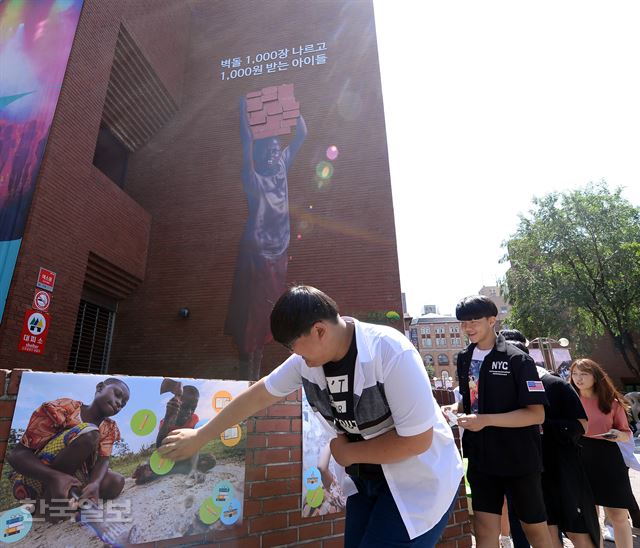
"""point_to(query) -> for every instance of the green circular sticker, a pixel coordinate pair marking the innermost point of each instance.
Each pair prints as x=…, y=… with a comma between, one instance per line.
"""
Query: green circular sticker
x=209, y=512
x=159, y=464
x=315, y=497
x=143, y=422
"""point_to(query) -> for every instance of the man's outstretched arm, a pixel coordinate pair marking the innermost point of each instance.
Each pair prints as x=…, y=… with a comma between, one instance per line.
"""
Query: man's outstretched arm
x=185, y=442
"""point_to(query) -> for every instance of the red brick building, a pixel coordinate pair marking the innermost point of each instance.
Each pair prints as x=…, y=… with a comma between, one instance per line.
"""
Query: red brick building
x=139, y=210
x=139, y=205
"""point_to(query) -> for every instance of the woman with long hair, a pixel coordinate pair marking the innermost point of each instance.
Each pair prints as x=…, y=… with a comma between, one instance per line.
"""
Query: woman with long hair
x=608, y=474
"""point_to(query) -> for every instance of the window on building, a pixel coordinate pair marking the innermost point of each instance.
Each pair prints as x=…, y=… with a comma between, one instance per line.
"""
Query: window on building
x=428, y=342
x=91, y=339
x=427, y=330
x=111, y=156
x=428, y=358
x=443, y=359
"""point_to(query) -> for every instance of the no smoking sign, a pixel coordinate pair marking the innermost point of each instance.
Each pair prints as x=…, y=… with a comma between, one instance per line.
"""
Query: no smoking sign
x=41, y=301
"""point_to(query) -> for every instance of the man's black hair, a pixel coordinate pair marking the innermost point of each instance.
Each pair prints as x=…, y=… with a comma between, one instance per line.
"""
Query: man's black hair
x=513, y=335
x=297, y=310
x=519, y=345
x=475, y=307
x=190, y=389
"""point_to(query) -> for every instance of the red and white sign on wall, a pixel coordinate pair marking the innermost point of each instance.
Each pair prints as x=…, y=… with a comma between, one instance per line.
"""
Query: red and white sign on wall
x=41, y=301
x=46, y=279
x=34, y=332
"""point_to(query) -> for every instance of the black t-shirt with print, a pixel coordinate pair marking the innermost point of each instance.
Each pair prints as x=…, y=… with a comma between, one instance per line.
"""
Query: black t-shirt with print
x=340, y=378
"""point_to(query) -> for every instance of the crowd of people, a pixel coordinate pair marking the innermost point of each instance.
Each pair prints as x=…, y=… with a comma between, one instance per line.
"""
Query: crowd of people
x=544, y=451
x=542, y=447
x=552, y=450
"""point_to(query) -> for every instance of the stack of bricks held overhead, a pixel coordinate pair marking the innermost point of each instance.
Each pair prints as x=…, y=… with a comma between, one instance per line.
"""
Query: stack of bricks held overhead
x=272, y=111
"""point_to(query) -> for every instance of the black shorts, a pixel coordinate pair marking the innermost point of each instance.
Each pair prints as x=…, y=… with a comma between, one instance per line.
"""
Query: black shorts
x=488, y=491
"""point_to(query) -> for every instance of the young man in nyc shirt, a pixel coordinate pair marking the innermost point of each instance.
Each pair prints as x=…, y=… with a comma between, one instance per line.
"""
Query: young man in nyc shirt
x=503, y=405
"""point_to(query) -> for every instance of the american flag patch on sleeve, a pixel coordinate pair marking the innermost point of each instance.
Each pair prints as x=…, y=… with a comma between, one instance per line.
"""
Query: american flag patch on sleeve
x=535, y=386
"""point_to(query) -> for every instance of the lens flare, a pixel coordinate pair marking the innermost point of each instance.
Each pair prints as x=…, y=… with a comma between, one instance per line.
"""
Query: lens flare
x=324, y=170
x=332, y=152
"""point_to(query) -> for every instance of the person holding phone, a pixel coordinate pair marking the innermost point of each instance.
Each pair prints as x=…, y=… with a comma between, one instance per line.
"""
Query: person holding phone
x=607, y=472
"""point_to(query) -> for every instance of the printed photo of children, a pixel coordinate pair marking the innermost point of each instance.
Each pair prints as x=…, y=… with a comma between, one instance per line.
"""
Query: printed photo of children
x=82, y=467
x=64, y=451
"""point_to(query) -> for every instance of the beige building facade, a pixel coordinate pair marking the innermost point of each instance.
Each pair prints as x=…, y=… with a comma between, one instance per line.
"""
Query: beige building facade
x=439, y=339
x=493, y=292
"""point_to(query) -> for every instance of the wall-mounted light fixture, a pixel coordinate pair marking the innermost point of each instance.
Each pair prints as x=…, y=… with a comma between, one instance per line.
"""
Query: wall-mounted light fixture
x=184, y=312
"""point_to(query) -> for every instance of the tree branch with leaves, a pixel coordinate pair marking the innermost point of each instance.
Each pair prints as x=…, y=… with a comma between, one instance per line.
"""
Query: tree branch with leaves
x=575, y=269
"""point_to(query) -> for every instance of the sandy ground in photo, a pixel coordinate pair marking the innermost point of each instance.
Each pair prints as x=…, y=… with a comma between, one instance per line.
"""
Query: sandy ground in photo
x=163, y=509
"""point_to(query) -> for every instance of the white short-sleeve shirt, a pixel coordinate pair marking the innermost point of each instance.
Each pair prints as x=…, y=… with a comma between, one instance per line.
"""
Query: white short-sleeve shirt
x=390, y=376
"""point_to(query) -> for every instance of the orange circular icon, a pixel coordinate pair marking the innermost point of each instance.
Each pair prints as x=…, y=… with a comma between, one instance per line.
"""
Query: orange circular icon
x=231, y=436
x=220, y=400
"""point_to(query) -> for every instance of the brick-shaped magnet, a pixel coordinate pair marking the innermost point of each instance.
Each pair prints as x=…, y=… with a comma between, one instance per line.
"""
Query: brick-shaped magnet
x=289, y=103
x=258, y=117
x=272, y=107
x=254, y=104
x=290, y=114
x=274, y=121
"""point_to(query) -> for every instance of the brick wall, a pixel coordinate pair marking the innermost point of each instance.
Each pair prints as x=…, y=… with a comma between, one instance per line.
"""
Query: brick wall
x=272, y=510
x=188, y=179
x=76, y=209
x=177, y=222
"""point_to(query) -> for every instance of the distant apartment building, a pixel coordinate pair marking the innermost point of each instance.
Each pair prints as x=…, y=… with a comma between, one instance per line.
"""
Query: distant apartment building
x=439, y=339
x=493, y=292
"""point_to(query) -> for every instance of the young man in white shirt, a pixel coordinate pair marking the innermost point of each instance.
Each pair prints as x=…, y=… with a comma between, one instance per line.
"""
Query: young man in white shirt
x=369, y=384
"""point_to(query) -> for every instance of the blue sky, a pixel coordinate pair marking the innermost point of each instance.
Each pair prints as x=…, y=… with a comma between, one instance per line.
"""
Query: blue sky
x=488, y=104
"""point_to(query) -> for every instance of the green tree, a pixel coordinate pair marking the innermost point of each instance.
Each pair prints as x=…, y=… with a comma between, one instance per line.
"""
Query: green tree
x=431, y=371
x=575, y=269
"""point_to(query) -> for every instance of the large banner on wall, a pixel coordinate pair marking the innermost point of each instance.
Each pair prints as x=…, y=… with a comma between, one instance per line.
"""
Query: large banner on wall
x=95, y=437
x=298, y=95
x=277, y=164
x=35, y=41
